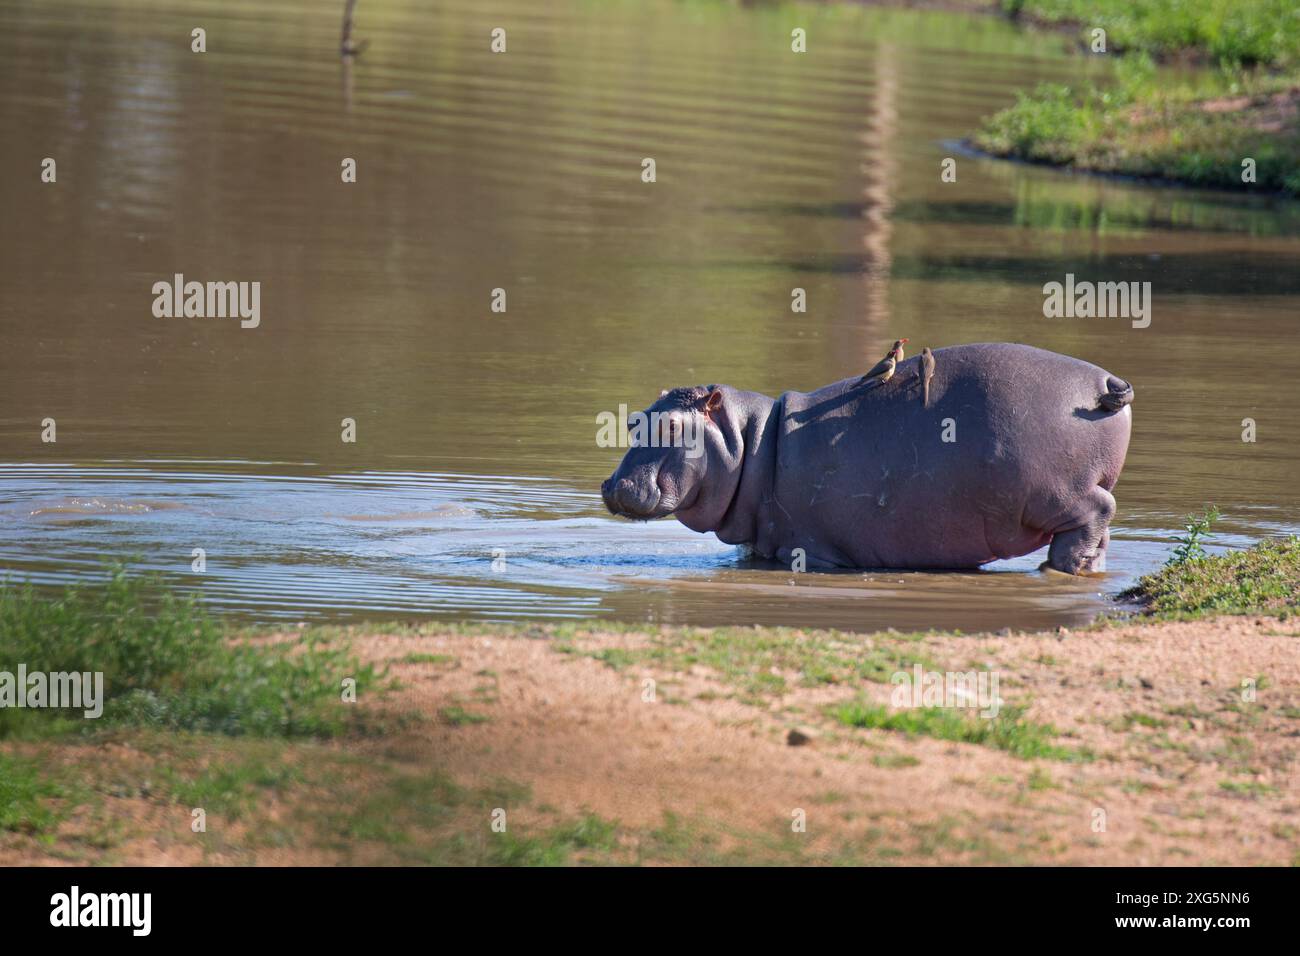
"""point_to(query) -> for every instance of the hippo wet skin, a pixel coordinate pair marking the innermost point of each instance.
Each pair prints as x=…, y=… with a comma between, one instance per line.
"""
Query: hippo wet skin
x=861, y=476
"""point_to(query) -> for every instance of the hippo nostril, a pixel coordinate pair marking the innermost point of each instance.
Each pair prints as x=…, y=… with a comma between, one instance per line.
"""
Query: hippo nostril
x=629, y=496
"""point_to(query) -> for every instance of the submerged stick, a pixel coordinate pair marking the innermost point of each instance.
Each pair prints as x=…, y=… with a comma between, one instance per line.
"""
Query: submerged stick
x=346, y=46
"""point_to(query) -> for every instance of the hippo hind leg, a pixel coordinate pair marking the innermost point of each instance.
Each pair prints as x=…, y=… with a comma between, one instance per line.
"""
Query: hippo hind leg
x=1080, y=546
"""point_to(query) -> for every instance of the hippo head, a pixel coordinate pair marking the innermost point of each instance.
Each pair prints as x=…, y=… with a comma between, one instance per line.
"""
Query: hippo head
x=683, y=459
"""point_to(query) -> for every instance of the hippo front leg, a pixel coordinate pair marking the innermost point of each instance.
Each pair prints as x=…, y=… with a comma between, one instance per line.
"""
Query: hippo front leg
x=1080, y=546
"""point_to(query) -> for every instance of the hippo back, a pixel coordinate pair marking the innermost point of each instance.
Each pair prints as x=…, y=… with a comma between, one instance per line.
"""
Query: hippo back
x=1011, y=435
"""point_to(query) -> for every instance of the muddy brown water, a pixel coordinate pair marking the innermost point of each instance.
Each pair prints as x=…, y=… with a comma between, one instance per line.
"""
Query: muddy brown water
x=472, y=488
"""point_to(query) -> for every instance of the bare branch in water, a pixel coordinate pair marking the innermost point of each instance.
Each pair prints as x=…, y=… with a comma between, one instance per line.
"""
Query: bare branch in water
x=347, y=46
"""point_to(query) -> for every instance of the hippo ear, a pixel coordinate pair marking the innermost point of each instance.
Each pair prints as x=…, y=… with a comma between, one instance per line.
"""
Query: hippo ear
x=713, y=404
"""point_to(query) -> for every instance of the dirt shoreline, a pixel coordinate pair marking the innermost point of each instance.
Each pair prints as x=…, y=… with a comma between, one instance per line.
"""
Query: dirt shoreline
x=1171, y=762
x=1215, y=786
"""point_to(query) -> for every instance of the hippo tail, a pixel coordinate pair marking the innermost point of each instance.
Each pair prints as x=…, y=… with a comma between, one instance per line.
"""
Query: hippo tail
x=1118, y=394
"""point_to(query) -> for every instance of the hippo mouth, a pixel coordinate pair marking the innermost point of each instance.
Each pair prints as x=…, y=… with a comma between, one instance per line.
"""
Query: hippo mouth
x=637, y=502
x=626, y=503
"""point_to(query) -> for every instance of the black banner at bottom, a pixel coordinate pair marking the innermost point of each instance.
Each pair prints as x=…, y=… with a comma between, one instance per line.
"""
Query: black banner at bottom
x=230, y=905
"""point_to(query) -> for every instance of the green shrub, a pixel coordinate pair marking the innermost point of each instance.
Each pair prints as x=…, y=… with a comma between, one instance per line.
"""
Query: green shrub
x=166, y=663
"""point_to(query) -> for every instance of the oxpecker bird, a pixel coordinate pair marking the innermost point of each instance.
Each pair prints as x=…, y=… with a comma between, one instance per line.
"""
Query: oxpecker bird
x=926, y=373
x=884, y=369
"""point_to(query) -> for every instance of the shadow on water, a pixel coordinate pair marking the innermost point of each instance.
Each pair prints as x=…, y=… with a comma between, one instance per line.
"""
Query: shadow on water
x=1207, y=213
x=1226, y=274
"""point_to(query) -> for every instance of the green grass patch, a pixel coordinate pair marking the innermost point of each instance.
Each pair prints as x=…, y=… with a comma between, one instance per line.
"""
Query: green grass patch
x=1137, y=719
x=230, y=789
x=1197, y=136
x=1040, y=779
x=703, y=842
x=419, y=658
x=952, y=839
x=457, y=716
x=766, y=662
x=587, y=836
x=429, y=819
x=1228, y=32
x=1246, y=788
x=1264, y=580
x=1193, y=128
x=1008, y=731
x=894, y=761
x=167, y=664
x=27, y=797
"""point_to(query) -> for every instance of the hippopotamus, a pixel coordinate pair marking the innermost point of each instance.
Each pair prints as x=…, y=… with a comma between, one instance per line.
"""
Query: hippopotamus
x=1016, y=448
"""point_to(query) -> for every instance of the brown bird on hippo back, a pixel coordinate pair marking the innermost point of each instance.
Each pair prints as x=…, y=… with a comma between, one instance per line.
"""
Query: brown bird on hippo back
x=926, y=372
x=884, y=369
